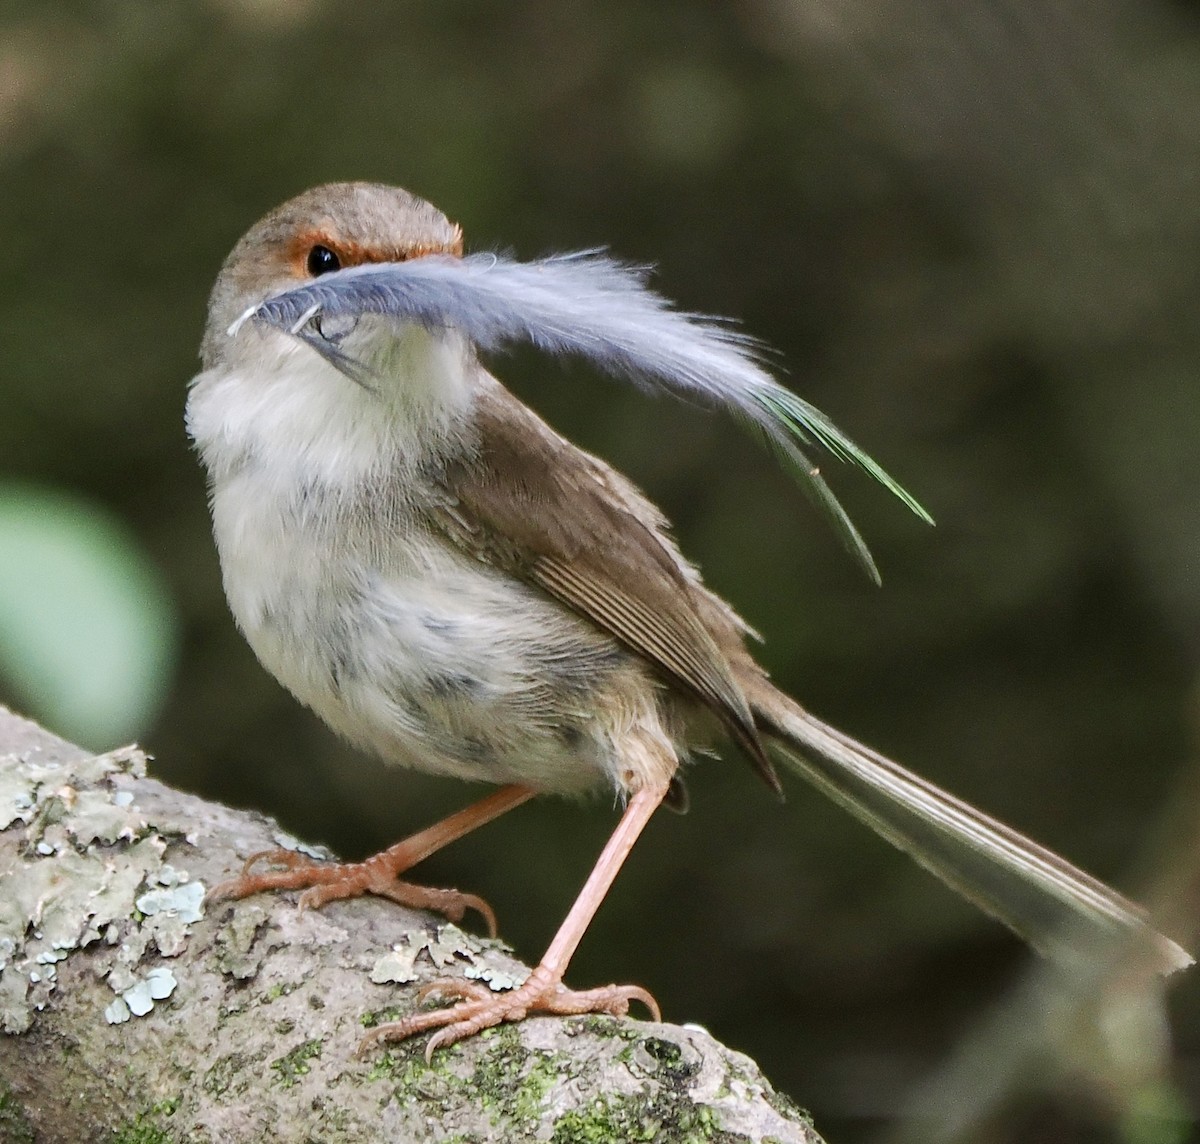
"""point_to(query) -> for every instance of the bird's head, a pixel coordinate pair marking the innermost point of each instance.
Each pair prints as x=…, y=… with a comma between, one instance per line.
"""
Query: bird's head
x=326, y=228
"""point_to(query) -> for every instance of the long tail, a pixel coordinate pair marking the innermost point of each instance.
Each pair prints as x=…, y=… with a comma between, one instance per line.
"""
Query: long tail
x=1061, y=911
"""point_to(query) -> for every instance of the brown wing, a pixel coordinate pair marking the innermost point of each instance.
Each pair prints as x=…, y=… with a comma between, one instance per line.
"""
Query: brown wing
x=531, y=502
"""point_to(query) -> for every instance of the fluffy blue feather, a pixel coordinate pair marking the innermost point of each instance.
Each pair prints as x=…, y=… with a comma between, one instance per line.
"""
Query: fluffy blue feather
x=593, y=306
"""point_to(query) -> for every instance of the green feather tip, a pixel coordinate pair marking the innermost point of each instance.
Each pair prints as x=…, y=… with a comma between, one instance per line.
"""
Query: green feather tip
x=800, y=423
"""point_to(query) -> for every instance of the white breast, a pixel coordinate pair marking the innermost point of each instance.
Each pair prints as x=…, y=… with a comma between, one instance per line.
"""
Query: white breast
x=281, y=404
x=401, y=642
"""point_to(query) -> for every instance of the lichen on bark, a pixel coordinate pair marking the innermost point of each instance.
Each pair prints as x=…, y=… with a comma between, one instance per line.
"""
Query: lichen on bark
x=173, y=1021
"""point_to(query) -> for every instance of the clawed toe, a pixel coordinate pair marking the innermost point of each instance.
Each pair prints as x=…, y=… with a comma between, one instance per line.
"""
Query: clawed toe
x=451, y=904
x=478, y=1009
x=297, y=873
x=325, y=882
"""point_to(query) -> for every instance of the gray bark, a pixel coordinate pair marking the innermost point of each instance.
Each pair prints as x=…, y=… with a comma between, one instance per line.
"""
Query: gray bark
x=132, y=1012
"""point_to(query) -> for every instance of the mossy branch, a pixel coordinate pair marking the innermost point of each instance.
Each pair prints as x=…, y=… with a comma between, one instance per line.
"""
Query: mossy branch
x=130, y=1011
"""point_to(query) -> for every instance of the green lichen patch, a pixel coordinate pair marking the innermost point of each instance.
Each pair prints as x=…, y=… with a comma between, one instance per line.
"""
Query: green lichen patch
x=668, y=1062
x=279, y=989
x=292, y=1066
x=512, y=1081
x=605, y=1027
x=14, y=1126
x=146, y=1128
x=508, y=1081
x=141, y=1132
x=634, y=1118
x=383, y=1016
x=787, y=1108
x=633, y=1083
x=414, y=1080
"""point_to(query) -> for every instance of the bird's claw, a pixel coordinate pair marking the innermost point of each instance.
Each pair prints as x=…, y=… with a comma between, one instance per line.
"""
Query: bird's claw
x=325, y=882
x=478, y=1008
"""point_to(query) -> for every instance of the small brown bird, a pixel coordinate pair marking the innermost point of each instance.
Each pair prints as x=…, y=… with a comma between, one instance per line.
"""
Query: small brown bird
x=453, y=586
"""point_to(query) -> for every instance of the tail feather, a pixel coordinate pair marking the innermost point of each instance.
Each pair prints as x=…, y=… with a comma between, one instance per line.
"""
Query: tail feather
x=1061, y=911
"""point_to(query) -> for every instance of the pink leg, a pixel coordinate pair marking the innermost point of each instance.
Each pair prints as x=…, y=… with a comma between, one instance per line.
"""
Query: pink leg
x=326, y=882
x=543, y=991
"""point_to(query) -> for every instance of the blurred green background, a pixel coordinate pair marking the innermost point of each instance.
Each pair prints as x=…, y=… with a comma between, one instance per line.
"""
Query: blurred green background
x=970, y=229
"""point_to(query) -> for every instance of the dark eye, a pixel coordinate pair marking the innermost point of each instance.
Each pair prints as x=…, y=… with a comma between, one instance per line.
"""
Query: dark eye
x=321, y=260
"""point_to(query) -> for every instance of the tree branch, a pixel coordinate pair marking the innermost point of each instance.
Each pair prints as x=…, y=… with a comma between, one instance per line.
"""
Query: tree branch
x=131, y=1011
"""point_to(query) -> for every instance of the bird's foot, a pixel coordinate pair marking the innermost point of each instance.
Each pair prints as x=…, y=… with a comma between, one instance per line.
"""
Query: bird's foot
x=479, y=1008
x=324, y=882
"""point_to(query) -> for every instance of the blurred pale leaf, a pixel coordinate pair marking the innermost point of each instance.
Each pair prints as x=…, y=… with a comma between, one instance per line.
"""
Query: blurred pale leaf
x=87, y=627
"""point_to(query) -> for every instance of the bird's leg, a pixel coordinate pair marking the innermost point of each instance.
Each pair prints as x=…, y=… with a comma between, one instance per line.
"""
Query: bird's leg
x=543, y=991
x=324, y=882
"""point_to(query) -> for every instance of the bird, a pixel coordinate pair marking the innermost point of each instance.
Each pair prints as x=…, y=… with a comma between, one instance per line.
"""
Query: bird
x=453, y=586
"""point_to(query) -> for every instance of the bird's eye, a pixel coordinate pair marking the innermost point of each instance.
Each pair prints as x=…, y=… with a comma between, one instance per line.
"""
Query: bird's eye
x=322, y=260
